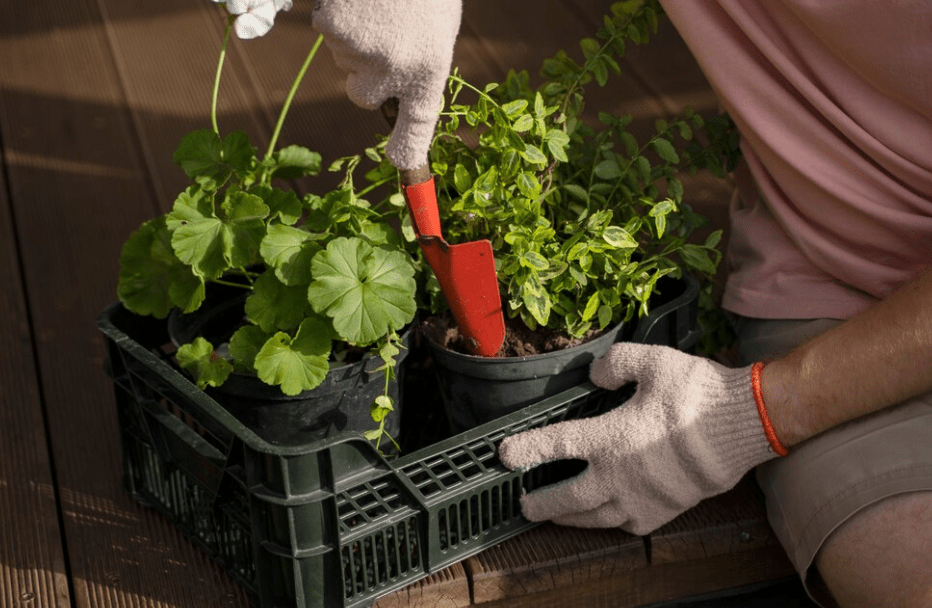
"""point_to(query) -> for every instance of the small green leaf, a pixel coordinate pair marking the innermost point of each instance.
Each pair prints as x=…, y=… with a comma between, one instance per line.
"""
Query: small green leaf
x=187, y=290
x=152, y=280
x=200, y=360
x=528, y=185
x=600, y=71
x=274, y=306
x=284, y=205
x=619, y=237
x=245, y=344
x=532, y=154
x=381, y=407
x=605, y=316
x=524, y=123
x=576, y=251
x=590, y=47
x=210, y=161
x=630, y=144
x=608, y=170
x=293, y=162
x=514, y=108
x=534, y=260
x=698, y=258
x=296, y=364
x=713, y=239
x=199, y=156
x=461, y=178
x=373, y=434
x=660, y=222
x=379, y=233
x=663, y=208
x=644, y=170
x=675, y=189
x=665, y=150
x=557, y=142
x=536, y=300
x=591, y=307
x=577, y=192
x=289, y=251
x=237, y=153
x=539, y=107
x=579, y=276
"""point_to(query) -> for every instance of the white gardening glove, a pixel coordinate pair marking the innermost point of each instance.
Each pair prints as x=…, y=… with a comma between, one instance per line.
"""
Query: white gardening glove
x=691, y=430
x=395, y=48
x=256, y=17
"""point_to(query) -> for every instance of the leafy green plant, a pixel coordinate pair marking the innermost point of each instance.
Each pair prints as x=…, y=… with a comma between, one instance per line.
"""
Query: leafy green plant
x=584, y=220
x=323, y=273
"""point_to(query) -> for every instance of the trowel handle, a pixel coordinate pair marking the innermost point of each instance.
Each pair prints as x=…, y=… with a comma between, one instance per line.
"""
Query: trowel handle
x=409, y=177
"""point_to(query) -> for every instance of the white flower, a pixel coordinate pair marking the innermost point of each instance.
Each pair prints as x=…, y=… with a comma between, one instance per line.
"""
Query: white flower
x=256, y=17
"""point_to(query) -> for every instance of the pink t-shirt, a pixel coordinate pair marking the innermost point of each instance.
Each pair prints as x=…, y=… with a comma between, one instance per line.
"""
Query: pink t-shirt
x=833, y=99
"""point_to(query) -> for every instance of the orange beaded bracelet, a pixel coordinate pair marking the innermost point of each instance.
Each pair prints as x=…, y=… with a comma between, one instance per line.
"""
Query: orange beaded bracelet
x=771, y=434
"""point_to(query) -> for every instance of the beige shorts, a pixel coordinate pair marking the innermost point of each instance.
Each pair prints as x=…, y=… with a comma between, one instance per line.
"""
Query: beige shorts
x=826, y=480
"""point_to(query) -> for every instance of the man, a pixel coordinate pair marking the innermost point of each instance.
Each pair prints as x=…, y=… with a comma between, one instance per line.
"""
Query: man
x=829, y=277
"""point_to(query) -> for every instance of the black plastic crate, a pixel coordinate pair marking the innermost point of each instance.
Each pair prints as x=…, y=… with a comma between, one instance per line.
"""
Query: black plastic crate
x=330, y=523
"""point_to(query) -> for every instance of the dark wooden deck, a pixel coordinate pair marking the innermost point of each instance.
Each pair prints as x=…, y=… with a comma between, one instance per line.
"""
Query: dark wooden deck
x=94, y=96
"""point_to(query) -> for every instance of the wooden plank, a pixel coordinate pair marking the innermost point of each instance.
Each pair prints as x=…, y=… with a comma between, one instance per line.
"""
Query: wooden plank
x=448, y=588
x=664, y=583
x=730, y=523
x=32, y=562
x=549, y=558
x=78, y=187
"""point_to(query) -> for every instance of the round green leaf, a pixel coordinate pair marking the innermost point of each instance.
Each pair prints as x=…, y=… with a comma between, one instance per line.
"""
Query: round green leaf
x=200, y=360
x=245, y=344
x=367, y=291
x=211, y=244
x=152, y=280
x=296, y=364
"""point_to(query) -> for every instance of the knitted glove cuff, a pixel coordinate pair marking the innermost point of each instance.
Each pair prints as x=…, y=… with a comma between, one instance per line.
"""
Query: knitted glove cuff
x=740, y=434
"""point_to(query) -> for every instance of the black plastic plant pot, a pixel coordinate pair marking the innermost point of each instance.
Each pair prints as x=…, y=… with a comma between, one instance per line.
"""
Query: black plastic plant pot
x=476, y=390
x=340, y=403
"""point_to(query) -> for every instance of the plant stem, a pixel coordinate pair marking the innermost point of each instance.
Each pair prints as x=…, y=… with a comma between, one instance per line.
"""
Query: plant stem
x=247, y=275
x=230, y=283
x=620, y=32
x=291, y=94
x=375, y=185
x=223, y=54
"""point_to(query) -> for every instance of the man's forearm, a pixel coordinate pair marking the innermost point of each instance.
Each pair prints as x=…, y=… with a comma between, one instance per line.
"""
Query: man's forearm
x=870, y=362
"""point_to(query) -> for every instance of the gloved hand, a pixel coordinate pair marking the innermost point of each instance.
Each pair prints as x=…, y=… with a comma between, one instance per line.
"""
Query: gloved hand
x=395, y=48
x=691, y=430
x=256, y=17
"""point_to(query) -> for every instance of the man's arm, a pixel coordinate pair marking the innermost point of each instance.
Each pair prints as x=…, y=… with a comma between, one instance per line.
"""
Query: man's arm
x=874, y=360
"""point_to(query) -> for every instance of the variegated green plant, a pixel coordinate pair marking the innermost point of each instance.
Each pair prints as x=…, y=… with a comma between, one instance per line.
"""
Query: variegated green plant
x=583, y=221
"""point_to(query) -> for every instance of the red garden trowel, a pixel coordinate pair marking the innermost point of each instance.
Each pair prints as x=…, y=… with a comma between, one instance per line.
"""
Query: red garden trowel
x=466, y=271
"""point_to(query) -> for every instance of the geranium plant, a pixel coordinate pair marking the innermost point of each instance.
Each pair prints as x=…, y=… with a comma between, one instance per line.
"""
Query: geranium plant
x=584, y=221
x=324, y=273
